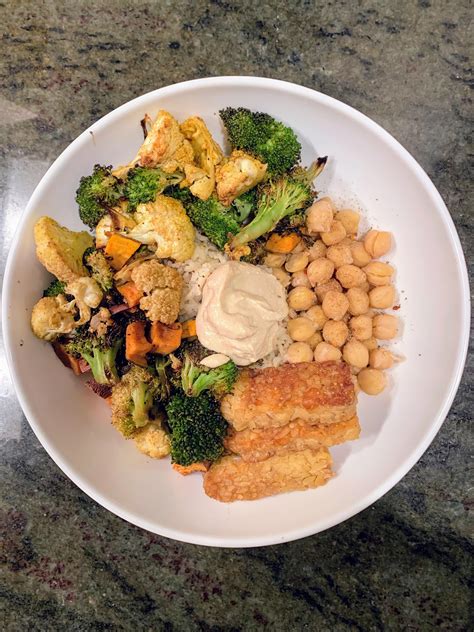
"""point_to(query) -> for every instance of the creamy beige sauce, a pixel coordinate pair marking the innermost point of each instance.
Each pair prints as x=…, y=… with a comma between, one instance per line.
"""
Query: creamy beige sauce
x=242, y=306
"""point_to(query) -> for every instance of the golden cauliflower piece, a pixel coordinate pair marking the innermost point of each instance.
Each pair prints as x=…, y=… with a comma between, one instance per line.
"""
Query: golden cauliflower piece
x=152, y=440
x=165, y=145
x=60, y=250
x=87, y=294
x=164, y=224
x=53, y=316
x=238, y=174
x=162, y=287
x=207, y=154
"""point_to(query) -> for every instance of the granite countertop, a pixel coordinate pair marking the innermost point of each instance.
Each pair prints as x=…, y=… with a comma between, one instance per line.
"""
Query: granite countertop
x=67, y=563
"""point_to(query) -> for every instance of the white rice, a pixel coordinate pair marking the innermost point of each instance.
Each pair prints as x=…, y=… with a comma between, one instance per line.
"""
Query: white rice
x=195, y=272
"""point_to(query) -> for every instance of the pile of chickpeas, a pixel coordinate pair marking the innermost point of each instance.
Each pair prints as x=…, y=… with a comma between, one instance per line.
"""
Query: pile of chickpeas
x=337, y=287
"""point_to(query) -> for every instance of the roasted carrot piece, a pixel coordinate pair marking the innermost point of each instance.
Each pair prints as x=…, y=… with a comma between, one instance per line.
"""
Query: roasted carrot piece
x=282, y=243
x=136, y=343
x=189, y=328
x=119, y=249
x=201, y=466
x=131, y=293
x=165, y=338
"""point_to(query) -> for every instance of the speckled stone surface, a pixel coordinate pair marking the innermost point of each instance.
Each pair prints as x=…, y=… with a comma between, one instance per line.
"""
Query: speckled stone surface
x=68, y=564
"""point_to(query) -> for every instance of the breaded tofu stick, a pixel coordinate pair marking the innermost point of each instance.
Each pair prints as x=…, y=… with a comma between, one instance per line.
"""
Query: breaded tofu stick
x=315, y=393
x=231, y=478
x=257, y=445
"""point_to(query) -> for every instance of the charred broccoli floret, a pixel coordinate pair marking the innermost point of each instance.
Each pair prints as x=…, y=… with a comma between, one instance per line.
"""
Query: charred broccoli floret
x=243, y=206
x=144, y=184
x=54, y=288
x=134, y=400
x=262, y=136
x=100, y=352
x=196, y=378
x=99, y=268
x=96, y=194
x=197, y=428
x=279, y=199
x=212, y=219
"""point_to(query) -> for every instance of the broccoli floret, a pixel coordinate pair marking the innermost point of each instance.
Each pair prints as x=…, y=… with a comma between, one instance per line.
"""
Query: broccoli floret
x=212, y=219
x=244, y=205
x=100, y=352
x=134, y=400
x=99, y=268
x=96, y=194
x=197, y=428
x=262, y=136
x=280, y=199
x=144, y=184
x=196, y=378
x=54, y=288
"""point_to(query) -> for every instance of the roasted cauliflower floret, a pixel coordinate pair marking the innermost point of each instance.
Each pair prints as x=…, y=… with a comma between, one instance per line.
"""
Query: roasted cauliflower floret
x=152, y=440
x=60, y=250
x=103, y=230
x=207, y=154
x=53, y=316
x=238, y=174
x=162, y=287
x=165, y=145
x=164, y=224
x=87, y=294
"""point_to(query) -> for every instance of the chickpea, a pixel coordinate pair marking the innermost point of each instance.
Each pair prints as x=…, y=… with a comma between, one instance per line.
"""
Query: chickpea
x=275, y=260
x=382, y=297
x=350, y=276
x=335, y=234
x=320, y=271
x=378, y=273
x=340, y=254
x=365, y=286
x=377, y=243
x=356, y=354
x=301, y=298
x=320, y=216
x=300, y=279
x=317, y=315
x=335, y=305
x=360, y=256
x=299, y=352
x=297, y=262
x=317, y=250
x=322, y=290
x=361, y=327
x=325, y=352
x=349, y=219
x=282, y=276
x=315, y=339
x=371, y=381
x=371, y=343
x=300, y=247
x=358, y=301
x=301, y=328
x=335, y=332
x=385, y=326
x=380, y=358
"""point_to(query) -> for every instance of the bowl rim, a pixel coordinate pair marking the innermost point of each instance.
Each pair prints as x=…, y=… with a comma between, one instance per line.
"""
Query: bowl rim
x=403, y=468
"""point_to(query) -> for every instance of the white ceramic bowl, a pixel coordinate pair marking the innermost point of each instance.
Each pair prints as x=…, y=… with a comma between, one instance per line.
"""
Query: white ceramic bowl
x=367, y=168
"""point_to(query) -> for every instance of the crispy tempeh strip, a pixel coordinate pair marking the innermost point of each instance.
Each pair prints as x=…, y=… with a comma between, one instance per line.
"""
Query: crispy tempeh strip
x=257, y=445
x=315, y=393
x=231, y=478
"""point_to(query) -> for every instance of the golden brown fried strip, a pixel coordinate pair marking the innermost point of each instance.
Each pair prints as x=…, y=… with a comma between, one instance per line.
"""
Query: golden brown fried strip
x=231, y=478
x=309, y=391
x=257, y=445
